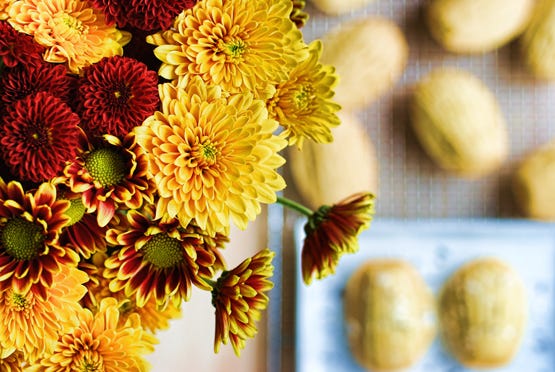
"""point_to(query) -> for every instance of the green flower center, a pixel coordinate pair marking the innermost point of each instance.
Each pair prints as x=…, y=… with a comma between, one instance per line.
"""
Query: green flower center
x=76, y=211
x=18, y=301
x=106, y=165
x=22, y=239
x=163, y=251
x=235, y=48
x=303, y=97
x=209, y=152
x=91, y=362
x=73, y=23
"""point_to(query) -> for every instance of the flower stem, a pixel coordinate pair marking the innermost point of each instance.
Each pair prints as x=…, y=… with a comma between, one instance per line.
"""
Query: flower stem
x=210, y=282
x=295, y=206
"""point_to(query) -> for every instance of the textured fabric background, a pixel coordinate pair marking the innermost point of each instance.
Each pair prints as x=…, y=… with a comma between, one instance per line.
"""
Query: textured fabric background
x=410, y=184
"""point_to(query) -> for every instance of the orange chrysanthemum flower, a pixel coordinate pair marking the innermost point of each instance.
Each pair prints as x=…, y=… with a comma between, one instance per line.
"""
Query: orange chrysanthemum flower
x=30, y=224
x=154, y=317
x=161, y=258
x=333, y=231
x=110, y=176
x=303, y=104
x=212, y=158
x=33, y=324
x=72, y=31
x=239, y=297
x=4, y=4
x=237, y=44
x=100, y=342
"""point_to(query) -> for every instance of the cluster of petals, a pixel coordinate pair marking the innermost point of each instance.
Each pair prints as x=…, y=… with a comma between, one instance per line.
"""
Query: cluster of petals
x=28, y=79
x=239, y=297
x=101, y=342
x=4, y=4
x=147, y=15
x=17, y=48
x=71, y=31
x=105, y=196
x=32, y=324
x=303, y=103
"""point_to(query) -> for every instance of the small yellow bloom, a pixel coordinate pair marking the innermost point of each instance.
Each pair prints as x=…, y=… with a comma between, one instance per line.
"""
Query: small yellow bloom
x=303, y=104
x=72, y=31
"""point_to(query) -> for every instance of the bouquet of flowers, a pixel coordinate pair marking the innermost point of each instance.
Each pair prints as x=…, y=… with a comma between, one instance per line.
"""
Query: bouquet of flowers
x=132, y=134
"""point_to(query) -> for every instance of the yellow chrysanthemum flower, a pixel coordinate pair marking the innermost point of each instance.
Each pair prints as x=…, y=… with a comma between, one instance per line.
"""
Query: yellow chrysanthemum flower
x=213, y=158
x=12, y=360
x=237, y=44
x=72, y=31
x=4, y=4
x=32, y=324
x=102, y=343
x=303, y=104
x=153, y=316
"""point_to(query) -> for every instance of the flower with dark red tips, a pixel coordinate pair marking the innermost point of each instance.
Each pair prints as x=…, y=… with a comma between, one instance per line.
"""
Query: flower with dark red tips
x=30, y=225
x=239, y=297
x=298, y=14
x=161, y=259
x=25, y=80
x=18, y=48
x=110, y=176
x=147, y=15
x=332, y=231
x=117, y=94
x=38, y=134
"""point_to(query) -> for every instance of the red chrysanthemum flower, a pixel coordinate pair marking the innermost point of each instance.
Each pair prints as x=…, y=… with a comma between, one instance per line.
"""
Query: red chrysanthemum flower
x=117, y=94
x=30, y=224
x=332, y=231
x=39, y=134
x=239, y=297
x=25, y=80
x=147, y=15
x=160, y=258
x=18, y=48
x=110, y=176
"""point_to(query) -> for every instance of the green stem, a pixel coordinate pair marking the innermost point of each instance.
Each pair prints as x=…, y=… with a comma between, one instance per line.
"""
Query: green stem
x=210, y=282
x=295, y=206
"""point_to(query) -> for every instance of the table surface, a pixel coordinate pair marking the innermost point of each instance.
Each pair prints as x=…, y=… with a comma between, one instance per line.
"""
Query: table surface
x=410, y=185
